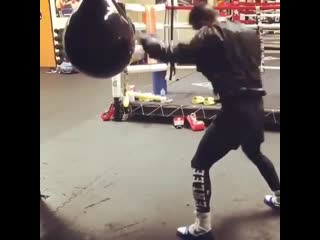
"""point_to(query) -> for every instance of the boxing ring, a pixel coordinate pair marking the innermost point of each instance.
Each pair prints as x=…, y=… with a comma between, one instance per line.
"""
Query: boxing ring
x=178, y=100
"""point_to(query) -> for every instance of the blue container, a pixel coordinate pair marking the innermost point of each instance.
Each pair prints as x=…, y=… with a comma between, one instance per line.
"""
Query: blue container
x=159, y=82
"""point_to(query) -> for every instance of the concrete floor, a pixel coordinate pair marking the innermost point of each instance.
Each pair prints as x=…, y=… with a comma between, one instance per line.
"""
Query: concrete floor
x=109, y=180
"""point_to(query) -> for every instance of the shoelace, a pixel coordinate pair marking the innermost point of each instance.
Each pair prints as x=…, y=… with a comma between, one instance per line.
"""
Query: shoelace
x=274, y=201
x=196, y=228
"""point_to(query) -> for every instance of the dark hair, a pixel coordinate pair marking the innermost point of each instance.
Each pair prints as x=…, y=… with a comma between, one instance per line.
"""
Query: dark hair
x=201, y=14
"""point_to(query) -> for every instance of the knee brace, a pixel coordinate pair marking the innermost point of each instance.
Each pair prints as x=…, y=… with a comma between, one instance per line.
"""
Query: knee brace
x=201, y=188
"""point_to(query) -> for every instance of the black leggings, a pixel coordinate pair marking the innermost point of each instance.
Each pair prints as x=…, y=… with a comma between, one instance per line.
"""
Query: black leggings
x=238, y=124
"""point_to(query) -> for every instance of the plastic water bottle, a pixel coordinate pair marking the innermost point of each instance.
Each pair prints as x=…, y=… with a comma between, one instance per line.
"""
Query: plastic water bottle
x=162, y=92
x=163, y=95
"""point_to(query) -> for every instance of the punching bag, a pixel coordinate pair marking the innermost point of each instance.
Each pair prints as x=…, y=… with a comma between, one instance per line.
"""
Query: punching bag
x=99, y=38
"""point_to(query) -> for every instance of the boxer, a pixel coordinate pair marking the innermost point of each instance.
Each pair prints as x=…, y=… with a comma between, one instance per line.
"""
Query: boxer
x=228, y=55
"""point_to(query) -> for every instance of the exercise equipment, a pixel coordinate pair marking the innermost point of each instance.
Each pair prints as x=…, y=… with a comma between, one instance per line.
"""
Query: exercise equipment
x=109, y=114
x=99, y=38
x=195, y=124
x=58, y=46
x=208, y=101
x=178, y=122
x=197, y=100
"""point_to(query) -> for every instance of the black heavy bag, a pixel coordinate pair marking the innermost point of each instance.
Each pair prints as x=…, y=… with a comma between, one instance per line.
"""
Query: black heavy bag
x=99, y=38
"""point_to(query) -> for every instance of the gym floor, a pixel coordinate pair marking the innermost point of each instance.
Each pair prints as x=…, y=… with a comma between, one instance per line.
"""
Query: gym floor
x=132, y=180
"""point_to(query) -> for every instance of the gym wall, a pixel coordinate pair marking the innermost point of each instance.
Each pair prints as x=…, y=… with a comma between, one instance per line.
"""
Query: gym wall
x=57, y=22
x=47, y=57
